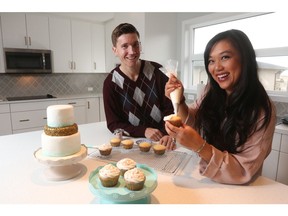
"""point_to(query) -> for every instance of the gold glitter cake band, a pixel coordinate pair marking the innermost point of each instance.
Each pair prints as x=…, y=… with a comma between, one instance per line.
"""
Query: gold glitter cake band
x=61, y=131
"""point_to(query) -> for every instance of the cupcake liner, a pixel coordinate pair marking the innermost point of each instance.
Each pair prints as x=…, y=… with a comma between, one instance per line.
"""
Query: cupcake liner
x=109, y=182
x=134, y=186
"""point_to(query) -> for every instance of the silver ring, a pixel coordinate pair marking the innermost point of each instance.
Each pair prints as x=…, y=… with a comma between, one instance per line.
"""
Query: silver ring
x=174, y=140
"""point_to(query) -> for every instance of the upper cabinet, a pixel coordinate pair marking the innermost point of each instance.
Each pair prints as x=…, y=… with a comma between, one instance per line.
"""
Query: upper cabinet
x=77, y=46
x=2, y=68
x=98, y=48
x=20, y=30
x=81, y=46
x=61, y=44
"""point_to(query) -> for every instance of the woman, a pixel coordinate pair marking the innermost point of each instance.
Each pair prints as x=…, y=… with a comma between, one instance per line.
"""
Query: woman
x=231, y=127
x=134, y=96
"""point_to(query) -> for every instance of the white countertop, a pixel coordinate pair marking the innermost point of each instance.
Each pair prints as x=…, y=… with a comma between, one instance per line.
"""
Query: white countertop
x=57, y=97
x=23, y=181
x=281, y=128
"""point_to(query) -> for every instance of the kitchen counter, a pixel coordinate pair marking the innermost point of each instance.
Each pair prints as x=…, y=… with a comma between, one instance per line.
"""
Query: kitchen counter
x=56, y=97
x=23, y=180
x=281, y=128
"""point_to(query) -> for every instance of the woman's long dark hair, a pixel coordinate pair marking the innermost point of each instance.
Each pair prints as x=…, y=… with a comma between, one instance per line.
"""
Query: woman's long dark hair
x=225, y=121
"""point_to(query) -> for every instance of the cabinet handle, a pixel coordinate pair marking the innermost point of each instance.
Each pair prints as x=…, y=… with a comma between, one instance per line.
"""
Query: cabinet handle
x=24, y=120
x=72, y=103
x=71, y=65
x=29, y=41
x=45, y=118
x=94, y=65
x=88, y=104
x=74, y=65
x=26, y=40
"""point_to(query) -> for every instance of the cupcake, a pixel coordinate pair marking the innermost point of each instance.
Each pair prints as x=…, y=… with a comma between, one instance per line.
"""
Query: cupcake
x=145, y=146
x=127, y=143
x=174, y=119
x=115, y=142
x=159, y=149
x=105, y=149
x=109, y=175
x=134, y=179
x=125, y=164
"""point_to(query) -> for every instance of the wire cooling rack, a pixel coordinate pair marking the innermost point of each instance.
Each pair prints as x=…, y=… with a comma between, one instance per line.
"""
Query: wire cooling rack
x=171, y=162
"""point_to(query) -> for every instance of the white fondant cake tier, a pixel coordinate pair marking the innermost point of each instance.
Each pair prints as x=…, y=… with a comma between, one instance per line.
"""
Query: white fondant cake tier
x=59, y=146
x=60, y=115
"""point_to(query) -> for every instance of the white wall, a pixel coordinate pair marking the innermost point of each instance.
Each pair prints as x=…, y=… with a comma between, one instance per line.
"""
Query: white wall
x=160, y=36
x=136, y=19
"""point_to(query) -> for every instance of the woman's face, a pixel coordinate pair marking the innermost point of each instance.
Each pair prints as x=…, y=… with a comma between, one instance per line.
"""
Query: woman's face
x=224, y=65
x=127, y=49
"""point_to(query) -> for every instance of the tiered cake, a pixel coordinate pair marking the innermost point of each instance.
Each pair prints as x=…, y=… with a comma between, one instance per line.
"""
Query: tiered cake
x=61, y=136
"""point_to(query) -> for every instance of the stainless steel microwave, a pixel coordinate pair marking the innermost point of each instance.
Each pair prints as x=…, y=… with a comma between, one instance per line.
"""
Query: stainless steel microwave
x=27, y=61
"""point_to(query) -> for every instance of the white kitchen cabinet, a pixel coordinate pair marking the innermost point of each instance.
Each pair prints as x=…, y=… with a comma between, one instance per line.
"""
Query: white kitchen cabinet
x=81, y=46
x=70, y=42
x=275, y=165
x=79, y=109
x=20, y=30
x=102, y=110
x=2, y=67
x=25, y=116
x=61, y=44
x=98, y=48
x=5, y=126
x=282, y=171
x=93, y=112
x=29, y=116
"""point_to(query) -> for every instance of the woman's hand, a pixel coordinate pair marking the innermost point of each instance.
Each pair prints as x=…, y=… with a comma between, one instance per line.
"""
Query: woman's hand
x=172, y=84
x=168, y=141
x=184, y=135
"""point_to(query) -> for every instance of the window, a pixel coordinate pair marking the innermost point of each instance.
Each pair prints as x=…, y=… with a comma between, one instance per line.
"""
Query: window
x=269, y=41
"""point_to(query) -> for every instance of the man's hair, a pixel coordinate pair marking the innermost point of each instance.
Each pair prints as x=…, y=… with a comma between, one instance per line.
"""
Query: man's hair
x=123, y=28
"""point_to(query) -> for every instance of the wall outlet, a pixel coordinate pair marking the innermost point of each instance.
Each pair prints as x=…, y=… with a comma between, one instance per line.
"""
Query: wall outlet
x=90, y=89
x=191, y=97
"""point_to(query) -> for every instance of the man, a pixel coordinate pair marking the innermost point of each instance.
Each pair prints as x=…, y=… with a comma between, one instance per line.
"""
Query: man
x=134, y=91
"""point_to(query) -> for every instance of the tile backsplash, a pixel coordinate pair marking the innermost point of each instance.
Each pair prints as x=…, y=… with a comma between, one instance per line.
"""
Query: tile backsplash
x=14, y=85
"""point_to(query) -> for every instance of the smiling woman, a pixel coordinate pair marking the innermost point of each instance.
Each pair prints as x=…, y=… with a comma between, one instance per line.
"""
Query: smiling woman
x=271, y=46
x=231, y=125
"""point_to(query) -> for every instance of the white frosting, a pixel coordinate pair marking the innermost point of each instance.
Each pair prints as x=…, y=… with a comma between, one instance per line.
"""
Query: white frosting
x=105, y=147
x=167, y=118
x=126, y=164
x=60, y=115
x=59, y=146
x=109, y=171
x=134, y=175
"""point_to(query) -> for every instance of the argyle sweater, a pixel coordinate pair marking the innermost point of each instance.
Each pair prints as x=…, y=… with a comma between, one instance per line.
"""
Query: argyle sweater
x=136, y=105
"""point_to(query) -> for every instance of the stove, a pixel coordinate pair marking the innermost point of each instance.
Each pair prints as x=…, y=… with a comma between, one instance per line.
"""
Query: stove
x=34, y=97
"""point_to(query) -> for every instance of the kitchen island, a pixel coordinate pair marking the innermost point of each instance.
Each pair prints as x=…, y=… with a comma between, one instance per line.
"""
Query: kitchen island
x=23, y=180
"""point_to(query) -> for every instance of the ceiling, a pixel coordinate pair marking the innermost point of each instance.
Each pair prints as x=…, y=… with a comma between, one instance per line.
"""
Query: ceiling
x=88, y=16
x=100, y=17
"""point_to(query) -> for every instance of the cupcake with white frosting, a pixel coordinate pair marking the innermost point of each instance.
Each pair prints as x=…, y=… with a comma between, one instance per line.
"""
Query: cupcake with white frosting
x=105, y=149
x=109, y=175
x=125, y=164
x=134, y=179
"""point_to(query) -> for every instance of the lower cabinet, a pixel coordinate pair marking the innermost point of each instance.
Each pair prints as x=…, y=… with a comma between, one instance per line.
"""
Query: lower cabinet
x=31, y=116
x=5, y=120
x=275, y=165
x=92, y=114
x=79, y=109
